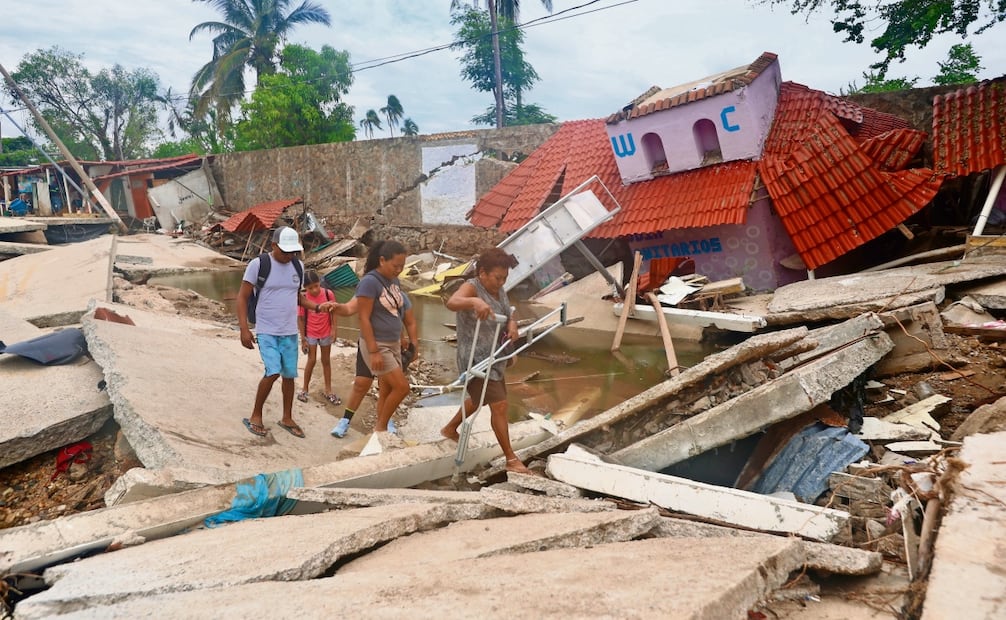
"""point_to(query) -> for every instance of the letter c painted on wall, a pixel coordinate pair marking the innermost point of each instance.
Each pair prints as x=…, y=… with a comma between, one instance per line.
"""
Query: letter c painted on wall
x=620, y=147
x=726, y=121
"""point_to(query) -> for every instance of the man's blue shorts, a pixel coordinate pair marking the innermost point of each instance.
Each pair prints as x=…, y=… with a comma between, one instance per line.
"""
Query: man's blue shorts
x=279, y=354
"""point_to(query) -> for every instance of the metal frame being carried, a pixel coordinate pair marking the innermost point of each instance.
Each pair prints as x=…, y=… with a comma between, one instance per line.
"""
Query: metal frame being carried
x=532, y=334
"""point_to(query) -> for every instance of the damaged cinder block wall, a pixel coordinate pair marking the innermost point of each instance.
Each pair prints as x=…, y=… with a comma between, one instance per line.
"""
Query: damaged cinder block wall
x=416, y=189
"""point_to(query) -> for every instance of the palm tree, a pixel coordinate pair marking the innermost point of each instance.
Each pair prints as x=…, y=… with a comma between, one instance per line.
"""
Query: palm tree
x=409, y=128
x=250, y=35
x=510, y=10
x=370, y=122
x=393, y=112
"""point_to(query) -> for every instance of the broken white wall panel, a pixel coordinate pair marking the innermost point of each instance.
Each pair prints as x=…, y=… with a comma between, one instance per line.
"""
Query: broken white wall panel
x=882, y=431
x=922, y=412
x=729, y=321
x=795, y=392
x=721, y=504
x=615, y=424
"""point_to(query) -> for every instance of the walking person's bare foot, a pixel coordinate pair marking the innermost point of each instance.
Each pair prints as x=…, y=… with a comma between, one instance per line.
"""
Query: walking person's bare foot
x=516, y=466
x=452, y=435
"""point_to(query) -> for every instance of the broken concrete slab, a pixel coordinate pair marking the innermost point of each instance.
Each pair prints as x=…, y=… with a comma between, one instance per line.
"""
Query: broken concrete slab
x=29, y=548
x=175, y=418
x=991, y=295
x=574, y=583
x=611, y=421
x=45, y=407
x=11, y=225
x=919, y=341
x=821, y=556
x=878, y=430
x=356, y=498
x=968, y=556
x=424, y=422
x=504, y=536
x=522, y=503
x=284, y=548
x=990, y=418
x=551, y=488
x=12, y=248
x=885, y=289
x=138, y=256
x=139, y=483
x=787, y=396
x=760, y=512
x=53, y=288
x=920, y=414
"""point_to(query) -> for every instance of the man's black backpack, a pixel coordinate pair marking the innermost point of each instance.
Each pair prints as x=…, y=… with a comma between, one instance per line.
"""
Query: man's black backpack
x=264, y=267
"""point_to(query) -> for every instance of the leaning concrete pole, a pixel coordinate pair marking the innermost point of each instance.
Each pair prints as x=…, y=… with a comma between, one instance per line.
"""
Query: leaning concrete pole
x=88, y=183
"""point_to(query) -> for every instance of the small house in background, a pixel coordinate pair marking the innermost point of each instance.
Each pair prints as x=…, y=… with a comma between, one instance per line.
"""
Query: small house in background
x=138, y=189
x=745, y=174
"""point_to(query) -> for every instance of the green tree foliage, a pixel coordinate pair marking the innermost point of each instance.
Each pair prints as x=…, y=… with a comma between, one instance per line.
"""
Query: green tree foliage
x=530, y=114
x=474, y=40
x=370, y=122
x=109, y=115
x=962, y=66
x=905, y=23
x=301, y=103
x=409, y=128
x=875, y=83
x=393, y=112
x=250, y=35
x=19, y=151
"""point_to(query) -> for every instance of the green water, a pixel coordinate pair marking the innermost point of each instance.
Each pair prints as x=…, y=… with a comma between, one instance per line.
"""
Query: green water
x=597, y=380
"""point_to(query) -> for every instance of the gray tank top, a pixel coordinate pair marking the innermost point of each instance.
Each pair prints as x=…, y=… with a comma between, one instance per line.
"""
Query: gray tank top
x=466, y=331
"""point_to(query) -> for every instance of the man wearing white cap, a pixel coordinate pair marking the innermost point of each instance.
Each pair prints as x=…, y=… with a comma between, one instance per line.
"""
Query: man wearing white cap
x=276, y=328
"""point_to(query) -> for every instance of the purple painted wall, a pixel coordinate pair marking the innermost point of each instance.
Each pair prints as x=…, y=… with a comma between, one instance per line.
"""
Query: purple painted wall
x=741, y=120
x=751, y=250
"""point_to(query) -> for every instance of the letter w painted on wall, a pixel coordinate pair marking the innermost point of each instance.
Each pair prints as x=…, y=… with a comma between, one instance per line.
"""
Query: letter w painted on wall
x=620, y=147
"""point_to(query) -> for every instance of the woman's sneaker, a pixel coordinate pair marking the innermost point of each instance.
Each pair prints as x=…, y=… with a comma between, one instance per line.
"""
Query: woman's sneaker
x=341, y=428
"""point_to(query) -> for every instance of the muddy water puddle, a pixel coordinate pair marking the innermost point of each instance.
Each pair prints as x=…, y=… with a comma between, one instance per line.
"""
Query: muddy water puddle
x=570, y=373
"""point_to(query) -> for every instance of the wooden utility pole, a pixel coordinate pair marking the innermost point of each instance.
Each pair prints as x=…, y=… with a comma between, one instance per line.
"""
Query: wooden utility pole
x=497, y=62
x=88, y=183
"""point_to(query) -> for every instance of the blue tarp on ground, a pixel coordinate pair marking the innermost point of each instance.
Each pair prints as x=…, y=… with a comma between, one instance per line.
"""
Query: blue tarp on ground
x=808, y=459
x=59, y=347
x=264, y=496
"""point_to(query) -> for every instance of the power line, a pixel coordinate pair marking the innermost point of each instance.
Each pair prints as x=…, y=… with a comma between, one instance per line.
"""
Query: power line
x=395, y=58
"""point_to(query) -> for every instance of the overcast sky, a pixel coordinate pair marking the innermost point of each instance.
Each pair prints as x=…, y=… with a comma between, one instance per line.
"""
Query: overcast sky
x=591, y=60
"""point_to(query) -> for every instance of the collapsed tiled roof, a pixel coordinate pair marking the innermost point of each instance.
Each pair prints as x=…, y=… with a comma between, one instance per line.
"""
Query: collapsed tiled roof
x=832, y=192
x=260, y=217
x=969, y=128
x=578, y=150
x=711, y=86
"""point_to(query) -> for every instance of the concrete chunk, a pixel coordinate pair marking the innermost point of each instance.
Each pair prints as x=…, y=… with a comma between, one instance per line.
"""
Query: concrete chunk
x=280, y=548
x=560, y=583
x=518, y=503
x=31, y=547
x=753, y=348
x=45, y=407
x=721, y=504
x=551, y=488
x=502, y=536
x=821, y=556
x=53, y=288
x=343, y=498
x=796, y=392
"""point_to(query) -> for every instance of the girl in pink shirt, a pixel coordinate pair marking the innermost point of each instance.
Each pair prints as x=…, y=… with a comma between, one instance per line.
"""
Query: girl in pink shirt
x=317, y=329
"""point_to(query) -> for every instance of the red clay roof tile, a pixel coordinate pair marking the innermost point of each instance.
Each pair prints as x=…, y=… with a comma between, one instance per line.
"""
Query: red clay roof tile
x=851, y=197
x=969, y=128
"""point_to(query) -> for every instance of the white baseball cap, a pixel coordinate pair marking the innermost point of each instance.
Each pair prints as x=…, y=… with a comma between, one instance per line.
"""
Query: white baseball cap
x=287, y=239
